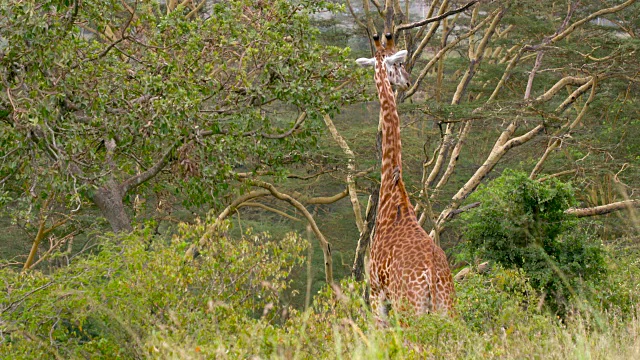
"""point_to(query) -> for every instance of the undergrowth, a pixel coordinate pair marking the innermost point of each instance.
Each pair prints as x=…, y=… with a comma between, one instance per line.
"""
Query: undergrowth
x=139, y=298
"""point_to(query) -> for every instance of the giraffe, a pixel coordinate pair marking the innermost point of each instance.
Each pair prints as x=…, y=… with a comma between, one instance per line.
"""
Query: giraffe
x=406, y=267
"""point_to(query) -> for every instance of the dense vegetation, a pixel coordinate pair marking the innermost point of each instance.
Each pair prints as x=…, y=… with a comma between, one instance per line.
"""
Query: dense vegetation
x=137, y=298
x=174, y=176
x=521, y=223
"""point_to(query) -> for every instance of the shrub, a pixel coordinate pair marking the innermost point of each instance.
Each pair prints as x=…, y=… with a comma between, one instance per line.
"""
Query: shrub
x=137, y=296
x=521, y=223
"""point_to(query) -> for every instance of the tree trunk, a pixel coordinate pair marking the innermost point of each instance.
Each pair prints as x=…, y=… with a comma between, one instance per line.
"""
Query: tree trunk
x=109, y=199
x=358, y=269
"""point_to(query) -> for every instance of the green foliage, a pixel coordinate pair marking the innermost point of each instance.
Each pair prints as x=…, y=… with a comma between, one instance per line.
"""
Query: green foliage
x=98, y=94
x=521, y=223
x=140, y=289
x=618, y=291
x=139, y=298
x=502, y=299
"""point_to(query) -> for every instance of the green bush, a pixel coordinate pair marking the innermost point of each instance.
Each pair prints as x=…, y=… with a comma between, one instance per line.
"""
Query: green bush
x=521, y=223
x=138, y=297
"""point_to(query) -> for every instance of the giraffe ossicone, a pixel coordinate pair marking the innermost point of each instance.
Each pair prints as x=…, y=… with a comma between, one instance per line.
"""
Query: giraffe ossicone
x=406, y=266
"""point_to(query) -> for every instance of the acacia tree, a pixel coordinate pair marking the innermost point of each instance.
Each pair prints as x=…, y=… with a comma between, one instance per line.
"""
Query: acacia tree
x=561, y=75
x=103, y=100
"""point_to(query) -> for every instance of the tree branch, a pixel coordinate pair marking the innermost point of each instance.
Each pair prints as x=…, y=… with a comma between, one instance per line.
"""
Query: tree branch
x=326, y=247
x=443, y=51
x=603, y=209
x=436, y=18
x=351, y=183
x=268, y=208
x=557, y=138
x=137, y=180
x=590, y=17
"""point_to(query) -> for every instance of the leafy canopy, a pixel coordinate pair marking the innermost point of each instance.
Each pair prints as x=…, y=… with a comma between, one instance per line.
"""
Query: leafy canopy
x=103, y=91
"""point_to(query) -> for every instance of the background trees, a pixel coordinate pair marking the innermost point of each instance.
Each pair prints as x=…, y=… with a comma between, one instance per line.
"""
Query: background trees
x=103, y=97
x=235, y=118
x=164, y=111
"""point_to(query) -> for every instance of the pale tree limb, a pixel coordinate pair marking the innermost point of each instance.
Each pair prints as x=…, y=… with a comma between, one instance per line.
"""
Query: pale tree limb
x=322, y=200
x=590, y=17
x=447, y=142
x=358, y=270
x=506, y=74
x=440, y=16
x=532, y=74
x=353, y=15
x=604, y=209
x=43, y=231
x=560, y=34
x=326, y=247
x=418, y=35
x=54, y=246
x=268, y=208
x=575, y=95
x=545, y=41
x=439, y=54
x=560, y=84
x=351, y=184
x=558, y=174
x=455, y=154
x=557, y=138
x=424, y=192
x=502, y=146
x=371, y=29
x=229, y=210
x=425, y=40
x=446, y=31
x=389, y=12
x=476, y=56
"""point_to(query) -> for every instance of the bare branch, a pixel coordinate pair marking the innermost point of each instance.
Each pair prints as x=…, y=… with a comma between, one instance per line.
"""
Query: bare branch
x=502, y=146
x=436, y=18
x=558, y=174
x=476, y=55
x=567, y=80
x=268, y=208
x=557, y=138
x=590, y=17
x=295, y=127
x=357, y=271
x=443, y=51
x=137, y=180
x=604, y=209
x=545, y=41
x=322, y=200
x=326, y=247
x=351, y=184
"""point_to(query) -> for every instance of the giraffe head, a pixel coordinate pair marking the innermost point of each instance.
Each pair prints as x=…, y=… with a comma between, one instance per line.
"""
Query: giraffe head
x=393, y=62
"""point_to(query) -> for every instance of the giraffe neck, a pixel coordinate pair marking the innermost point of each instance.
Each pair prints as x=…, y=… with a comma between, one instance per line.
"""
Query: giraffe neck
x=391, y=183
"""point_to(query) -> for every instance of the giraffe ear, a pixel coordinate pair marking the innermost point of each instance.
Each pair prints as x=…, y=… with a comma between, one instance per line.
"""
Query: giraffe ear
x=397, y=58
x=366, y=62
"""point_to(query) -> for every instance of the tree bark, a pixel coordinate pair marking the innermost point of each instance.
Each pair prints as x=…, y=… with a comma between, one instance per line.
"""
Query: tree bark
x=108, y=198
x=604, y=209
x=358, y=269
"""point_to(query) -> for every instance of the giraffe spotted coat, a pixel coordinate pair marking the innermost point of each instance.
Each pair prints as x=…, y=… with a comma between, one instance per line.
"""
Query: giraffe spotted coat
x=406, y=268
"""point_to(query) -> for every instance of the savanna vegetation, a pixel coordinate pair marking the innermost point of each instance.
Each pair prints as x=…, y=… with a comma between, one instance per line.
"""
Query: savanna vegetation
x=197, y=179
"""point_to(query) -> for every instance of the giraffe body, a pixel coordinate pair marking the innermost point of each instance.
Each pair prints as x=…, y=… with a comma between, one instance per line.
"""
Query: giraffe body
x=407, y=268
